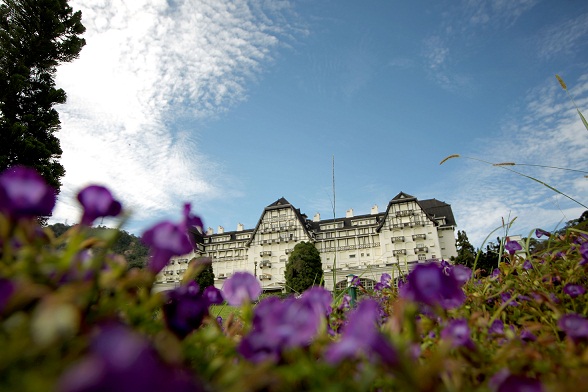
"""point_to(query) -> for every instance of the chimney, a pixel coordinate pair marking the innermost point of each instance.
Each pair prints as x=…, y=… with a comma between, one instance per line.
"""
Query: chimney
x=209, y=231
x=375, y=209
x=317, y=217
x=221, y=230
x=240, y=227
x=349, y=213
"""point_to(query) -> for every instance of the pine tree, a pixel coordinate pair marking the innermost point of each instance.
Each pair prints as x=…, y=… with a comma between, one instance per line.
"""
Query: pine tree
x=304, y=268
x=466, y=253
x=206, y=277
x=35, y=37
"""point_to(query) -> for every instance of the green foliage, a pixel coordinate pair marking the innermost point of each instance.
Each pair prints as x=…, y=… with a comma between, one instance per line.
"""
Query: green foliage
x=466, y=253
x=304, y=268
x=35, y=37
x=206, y=277
x=124, y=243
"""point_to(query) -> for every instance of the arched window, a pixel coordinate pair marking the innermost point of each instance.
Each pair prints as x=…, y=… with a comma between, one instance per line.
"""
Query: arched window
x=368, y=284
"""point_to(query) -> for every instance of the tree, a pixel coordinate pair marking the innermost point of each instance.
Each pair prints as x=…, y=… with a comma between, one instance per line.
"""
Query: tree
x=206, y=277
x=466, y=253
x=304, y=268
x=35, y=37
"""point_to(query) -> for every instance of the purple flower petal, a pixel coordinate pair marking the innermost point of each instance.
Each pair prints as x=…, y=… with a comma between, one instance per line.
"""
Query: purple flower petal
x=527, y=336
x=512, y=247
x=574, y=325
x=319, y=298
x=541, y=233
x=191, y=223
x=185, y=309
x=457, y=332
x=428, y=284
x=527, y=265
x=497, y=327
x=574, y=290
x=516, y=383
x=241, y=287
x=362, y=337
x=97, y=202
x=25, y=194
x=7, y=288
x=122, y=360
x=461, y=273
x=279, y=325
x=165, y=240
x=213, y=295
x=584, y=253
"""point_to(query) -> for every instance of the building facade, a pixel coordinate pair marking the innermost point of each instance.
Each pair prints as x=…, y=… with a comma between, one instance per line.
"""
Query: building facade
x=408, y=232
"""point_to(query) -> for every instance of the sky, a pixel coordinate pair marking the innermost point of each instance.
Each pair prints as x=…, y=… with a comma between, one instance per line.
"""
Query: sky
x=230, y=105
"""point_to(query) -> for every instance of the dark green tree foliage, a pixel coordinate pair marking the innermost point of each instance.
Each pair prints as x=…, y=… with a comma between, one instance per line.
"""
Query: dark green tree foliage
x=206, y=277
x=466, y=253
x=129, y=245
x=304, y=268
x=35, y=37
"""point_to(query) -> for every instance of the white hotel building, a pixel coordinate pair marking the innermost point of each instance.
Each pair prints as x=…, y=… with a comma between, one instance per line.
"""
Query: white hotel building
x=410, y=231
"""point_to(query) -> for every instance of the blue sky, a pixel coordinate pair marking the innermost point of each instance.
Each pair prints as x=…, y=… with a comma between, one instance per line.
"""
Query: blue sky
x=231, y=105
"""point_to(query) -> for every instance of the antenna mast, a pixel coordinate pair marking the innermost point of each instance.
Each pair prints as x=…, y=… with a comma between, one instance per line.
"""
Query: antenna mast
x=334, y=230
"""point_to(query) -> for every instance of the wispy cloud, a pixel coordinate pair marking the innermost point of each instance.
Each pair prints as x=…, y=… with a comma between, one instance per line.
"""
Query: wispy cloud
x=547, y=132
x=498, y=13
x=147, y=67
x=565, y=38
x=462, y=22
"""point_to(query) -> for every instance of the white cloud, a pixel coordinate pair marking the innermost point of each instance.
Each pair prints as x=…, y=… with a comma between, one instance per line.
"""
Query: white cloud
x=565, y=39
x=148, y=64
x=550, y=133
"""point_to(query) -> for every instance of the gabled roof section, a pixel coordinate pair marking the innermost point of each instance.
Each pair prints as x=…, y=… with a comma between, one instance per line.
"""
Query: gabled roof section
x=278, y=204
x=281, y=202
x=402, y=197
x=439, y=209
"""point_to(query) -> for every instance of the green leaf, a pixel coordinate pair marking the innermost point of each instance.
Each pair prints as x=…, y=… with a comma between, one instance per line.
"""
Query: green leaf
x=583, y=119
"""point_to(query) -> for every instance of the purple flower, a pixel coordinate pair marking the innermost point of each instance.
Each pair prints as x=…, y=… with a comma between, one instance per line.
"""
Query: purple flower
x=584, y=253
x=457, y=332
x=574, y=325
x=97, y=202
x=574, y=290
x=496, y=273
x=25, y=194
x=122, y=360
x=497, y=327
x=186, y=308
x=527, y=336
x=461, y=273
x=319, y=298
x=213, y=295
x=345, y=302
x=428, y=284
x=527, y=265
x=384, y=282
x=165, y=240
x=362, y=337
x=540, y=233
x=516, y=383
x=512, y=247
x=355, y=282
x=241, y=287
x=507, y=297
x=280, y=325
x=191, y=223
x=7, y=288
